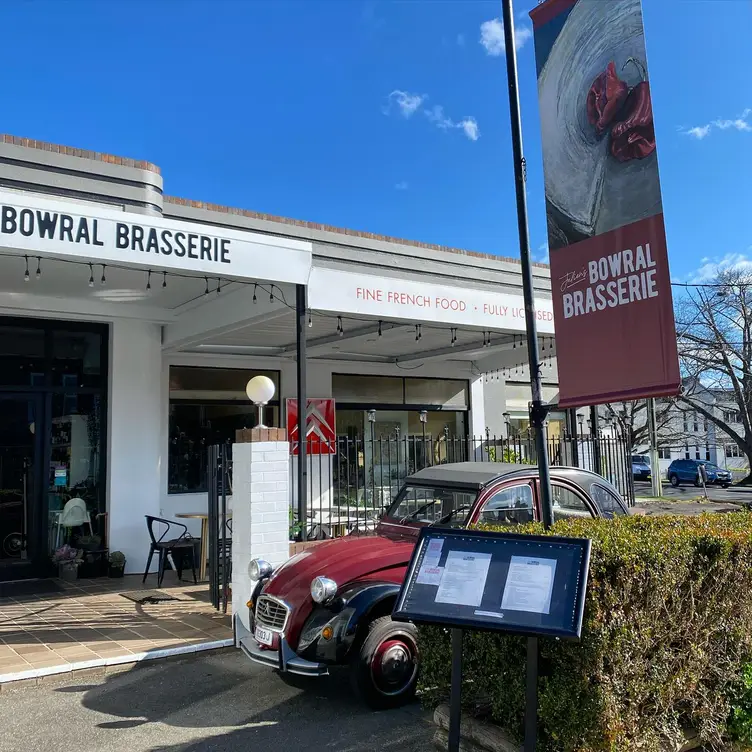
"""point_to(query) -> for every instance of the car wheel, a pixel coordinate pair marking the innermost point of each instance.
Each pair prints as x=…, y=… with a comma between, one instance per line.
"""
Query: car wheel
x=384, y=672
x=674, y=480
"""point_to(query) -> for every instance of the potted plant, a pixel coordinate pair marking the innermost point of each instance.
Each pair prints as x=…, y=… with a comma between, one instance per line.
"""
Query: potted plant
x=117, y=564
x=68, y=559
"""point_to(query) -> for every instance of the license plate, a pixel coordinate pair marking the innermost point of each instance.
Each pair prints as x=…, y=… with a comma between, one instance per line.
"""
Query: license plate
x=264, y=636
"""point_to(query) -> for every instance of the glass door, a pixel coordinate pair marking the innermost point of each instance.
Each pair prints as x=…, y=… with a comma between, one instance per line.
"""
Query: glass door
x=19, y=462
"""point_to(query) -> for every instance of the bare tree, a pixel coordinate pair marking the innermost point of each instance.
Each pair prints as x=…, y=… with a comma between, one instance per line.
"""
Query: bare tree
x=631, y=419
x=714, y=329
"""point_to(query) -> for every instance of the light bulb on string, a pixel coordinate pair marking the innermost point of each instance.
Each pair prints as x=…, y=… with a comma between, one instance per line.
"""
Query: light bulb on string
x=271, y=294
x=206, y=290
x=164, y=280
x=254, y=292
x=148, y=280
x=310, y=320
x=26, y=273
x=91, y=276
x=103, y=281
x=39, y=267
x=379, y=328
x=219, y=285
x=341, y=328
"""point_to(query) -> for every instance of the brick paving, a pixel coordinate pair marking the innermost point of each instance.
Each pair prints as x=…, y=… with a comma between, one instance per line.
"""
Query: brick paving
x=89, y=623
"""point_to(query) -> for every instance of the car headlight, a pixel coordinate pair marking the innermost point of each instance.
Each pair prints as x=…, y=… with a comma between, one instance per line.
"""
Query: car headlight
x=323, y=589
x=258, y=569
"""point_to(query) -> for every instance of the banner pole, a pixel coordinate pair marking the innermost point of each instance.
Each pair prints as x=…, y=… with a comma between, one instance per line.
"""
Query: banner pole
x=538, y=410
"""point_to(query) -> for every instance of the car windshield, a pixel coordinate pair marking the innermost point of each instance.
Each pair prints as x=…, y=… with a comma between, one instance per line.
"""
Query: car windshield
x=641, y=460
x=438, y=506
x=711, y=466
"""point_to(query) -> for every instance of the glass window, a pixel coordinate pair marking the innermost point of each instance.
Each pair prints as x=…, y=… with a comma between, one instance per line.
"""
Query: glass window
x=22, y=360
x=444, y=392
x=568, y=504
x=76, y=359
x=664, y=454
x=434, y=505
x=195, y=383
x=510, y=506
x=372, y=390
x=608, y=503
x=75, y=457
x=195, y=427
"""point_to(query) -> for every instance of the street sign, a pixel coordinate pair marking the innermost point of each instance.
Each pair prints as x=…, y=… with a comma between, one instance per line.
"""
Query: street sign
x=321, y=428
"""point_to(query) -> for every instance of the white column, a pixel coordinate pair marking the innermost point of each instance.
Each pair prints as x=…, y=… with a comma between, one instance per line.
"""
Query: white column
x=260, y=511
x=134, y=448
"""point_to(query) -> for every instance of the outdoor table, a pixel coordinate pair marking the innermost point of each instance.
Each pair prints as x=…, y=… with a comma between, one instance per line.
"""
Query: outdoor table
x=204, y=517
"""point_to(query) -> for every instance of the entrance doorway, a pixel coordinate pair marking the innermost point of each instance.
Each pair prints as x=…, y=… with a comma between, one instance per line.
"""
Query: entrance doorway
x=19, y=482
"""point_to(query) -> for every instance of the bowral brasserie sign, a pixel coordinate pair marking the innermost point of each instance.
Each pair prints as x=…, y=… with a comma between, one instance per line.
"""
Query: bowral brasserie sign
x=52, y=227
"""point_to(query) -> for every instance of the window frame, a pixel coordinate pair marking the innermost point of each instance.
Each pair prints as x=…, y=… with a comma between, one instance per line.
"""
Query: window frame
x=594, y=512
x=489, y=493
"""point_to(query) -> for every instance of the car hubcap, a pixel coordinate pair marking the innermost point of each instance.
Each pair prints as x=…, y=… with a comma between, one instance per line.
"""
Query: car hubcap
x=393, y=666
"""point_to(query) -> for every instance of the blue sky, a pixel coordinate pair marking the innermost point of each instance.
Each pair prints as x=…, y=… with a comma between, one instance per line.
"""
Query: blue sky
x=388, y=117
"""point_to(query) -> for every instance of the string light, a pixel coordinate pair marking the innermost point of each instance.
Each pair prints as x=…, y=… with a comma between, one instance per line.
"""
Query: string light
x=219, y=285
x=254, y=292
x=310, y=320
x=514, y=342
x=103, y=281
x=39, y=267
x=206, y=291
x=379, y=328
x=164, y=280
x=91, y=275
x=340, y=328
x=148, y=280
x=26, y=273
x=271, y=294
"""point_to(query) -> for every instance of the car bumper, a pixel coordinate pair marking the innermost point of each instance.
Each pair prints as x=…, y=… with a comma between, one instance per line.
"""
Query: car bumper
x=285, y=659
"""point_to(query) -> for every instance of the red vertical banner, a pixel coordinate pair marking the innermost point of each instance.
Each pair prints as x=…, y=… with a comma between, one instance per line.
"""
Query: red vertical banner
x=321, y=427
x=613, y=308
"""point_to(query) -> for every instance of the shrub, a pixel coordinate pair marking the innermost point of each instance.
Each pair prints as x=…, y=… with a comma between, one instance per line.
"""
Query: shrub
x=667, y=634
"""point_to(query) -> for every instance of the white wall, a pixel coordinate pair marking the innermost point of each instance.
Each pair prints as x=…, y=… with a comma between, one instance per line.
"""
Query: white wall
x=135, y=452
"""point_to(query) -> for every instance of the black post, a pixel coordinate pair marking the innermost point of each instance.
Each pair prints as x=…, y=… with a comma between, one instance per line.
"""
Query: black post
x=531, y=696
x=595, y=428
x=300, y=307
x=537, y=409
x=455, y=696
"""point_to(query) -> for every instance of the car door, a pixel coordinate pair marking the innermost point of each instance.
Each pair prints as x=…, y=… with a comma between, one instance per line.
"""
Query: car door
x=511, y=504
x=688, y=471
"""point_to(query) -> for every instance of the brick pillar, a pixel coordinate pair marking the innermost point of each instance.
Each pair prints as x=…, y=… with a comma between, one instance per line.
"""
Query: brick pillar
x=260, y=506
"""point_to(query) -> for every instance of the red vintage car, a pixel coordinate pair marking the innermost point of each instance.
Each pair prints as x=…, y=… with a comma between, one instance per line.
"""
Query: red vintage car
x=332, y=604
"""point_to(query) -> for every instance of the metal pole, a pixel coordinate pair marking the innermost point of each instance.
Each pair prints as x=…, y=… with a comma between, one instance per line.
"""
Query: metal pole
x=595, y=428
x=455, y=693
x=655, y=465
x=537, y=409
x=300, y=306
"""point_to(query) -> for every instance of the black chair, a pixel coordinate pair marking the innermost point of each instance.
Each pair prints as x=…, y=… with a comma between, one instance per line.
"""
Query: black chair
x=164, y=545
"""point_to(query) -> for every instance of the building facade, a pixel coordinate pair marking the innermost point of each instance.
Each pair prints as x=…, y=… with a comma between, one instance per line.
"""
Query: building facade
x=131, y=323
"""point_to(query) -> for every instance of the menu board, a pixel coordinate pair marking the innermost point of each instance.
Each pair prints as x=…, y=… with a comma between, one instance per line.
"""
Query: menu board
x=523, y=584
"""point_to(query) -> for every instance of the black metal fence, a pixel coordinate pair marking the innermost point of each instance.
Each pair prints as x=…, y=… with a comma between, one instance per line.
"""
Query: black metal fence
x=348, y=489
x=219, y=524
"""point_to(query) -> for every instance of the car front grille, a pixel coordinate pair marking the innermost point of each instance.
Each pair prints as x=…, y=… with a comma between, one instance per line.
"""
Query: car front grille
x=271, y=613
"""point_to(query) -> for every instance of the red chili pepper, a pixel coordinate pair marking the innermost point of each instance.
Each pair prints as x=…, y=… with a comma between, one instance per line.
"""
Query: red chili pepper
x=634, y=136
x=605, y=98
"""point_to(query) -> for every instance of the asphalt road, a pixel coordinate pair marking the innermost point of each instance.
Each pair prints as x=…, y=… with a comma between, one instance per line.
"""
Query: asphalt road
x=687, y=491
x=218, y=702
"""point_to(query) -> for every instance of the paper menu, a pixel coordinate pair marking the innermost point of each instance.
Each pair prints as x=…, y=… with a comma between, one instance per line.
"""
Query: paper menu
x=430, y=572
x=464, y=578
x=529, y=585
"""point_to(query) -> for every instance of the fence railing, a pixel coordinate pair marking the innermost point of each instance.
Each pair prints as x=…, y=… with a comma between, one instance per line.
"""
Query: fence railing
x=347, y=490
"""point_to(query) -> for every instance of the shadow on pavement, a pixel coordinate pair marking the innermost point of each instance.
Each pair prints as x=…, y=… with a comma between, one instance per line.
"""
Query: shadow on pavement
x=240, y=706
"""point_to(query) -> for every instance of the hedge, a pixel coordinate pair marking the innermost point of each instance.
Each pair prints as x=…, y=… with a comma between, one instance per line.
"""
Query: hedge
x=667, y=637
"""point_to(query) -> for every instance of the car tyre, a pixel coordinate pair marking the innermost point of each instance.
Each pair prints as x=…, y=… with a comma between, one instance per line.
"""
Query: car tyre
x=674, y=480
x=384, y=671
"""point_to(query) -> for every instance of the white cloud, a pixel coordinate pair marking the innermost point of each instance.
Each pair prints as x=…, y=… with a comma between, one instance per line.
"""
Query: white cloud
x=401, y=186
x=407, y=103
x=543, y=255
x=492, y=36
x=741, y=124
x=710, y=267
x=470, y=126
x=461, y=40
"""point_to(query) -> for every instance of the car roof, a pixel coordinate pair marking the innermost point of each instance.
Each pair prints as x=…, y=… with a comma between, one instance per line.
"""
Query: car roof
x=476, y=475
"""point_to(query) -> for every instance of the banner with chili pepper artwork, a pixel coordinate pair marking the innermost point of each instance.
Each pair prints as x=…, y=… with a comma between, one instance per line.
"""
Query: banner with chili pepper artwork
x=613, y=309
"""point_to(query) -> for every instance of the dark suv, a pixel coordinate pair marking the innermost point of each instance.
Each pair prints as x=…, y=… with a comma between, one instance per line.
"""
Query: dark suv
x=688, y=471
